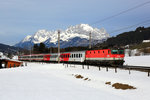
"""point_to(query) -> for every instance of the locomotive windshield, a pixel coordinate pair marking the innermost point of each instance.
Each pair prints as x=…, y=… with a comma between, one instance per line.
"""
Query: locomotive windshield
x=121, y=51
x=117, y=51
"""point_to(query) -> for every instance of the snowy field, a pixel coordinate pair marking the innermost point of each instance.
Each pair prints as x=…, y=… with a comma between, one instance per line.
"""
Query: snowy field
x=55, y=82
x=137, y=61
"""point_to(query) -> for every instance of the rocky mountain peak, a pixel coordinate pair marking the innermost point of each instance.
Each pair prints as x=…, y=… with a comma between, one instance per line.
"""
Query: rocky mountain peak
x=50, y=37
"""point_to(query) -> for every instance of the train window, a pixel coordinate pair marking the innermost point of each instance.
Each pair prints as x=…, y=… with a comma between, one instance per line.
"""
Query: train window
x=108, y=52
x=79, y=55
x=103, y=51
x=90, y=52
x=94, y=51
x=74, y=55
x=98, y=51
x=68, y=55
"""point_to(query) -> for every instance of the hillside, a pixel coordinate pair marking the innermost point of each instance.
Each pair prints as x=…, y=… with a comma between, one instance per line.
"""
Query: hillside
x=8, y=49
x=132, y=37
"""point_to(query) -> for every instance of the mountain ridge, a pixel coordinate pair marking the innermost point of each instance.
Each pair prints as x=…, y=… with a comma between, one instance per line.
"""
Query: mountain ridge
x=49, y=38
x=8, y=49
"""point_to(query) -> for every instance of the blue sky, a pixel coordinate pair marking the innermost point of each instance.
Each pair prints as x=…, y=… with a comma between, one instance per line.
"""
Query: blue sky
x=19, y=18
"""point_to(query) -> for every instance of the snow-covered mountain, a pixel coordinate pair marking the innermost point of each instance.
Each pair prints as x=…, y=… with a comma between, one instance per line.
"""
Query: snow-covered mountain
x=77, y=35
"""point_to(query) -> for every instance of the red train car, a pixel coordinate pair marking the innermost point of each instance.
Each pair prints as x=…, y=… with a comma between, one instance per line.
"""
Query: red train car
x=105, y=57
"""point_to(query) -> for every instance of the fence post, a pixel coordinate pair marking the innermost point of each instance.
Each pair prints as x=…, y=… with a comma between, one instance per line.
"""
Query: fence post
x=115, y=69
x=25, y=63
x=87, y=66
x=99, y=68
x=82, y=66
x=148, y=73
x=129, y=71
x=107, y=69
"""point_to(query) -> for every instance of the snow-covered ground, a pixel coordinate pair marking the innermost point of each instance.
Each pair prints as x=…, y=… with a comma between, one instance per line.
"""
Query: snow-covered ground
x=137, y=61
x=55, y=82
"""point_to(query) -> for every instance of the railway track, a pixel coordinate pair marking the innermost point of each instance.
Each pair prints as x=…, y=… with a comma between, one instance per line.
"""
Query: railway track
x=140, y=68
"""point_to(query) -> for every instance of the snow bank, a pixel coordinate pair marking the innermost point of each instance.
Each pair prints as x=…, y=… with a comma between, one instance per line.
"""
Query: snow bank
x=55, y=82
x=137, y=61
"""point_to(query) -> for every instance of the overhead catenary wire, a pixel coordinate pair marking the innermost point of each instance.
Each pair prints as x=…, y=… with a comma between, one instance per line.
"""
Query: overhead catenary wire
x=122, y=12
x=143, y=22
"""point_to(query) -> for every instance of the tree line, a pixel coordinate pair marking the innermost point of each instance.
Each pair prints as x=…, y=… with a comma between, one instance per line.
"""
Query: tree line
x=41, y=48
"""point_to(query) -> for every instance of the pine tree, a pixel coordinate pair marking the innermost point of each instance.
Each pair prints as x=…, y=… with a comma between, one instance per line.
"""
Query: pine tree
x=42, y=48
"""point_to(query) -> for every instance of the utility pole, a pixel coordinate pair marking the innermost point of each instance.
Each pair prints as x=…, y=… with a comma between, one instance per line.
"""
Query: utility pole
x=90, y=40
x=58, y=46
x=50, y=50
x=30, y=51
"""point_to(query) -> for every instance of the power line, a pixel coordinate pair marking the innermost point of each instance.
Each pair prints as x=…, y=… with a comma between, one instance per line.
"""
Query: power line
x=125, y=11
x=143, y=22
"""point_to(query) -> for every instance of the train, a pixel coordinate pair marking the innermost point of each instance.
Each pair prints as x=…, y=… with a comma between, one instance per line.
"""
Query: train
x=109, y=57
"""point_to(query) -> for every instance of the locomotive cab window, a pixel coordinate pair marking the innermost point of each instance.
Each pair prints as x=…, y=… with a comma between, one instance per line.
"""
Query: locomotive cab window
x=117, y=51
x=114, y=51
x=121, y=51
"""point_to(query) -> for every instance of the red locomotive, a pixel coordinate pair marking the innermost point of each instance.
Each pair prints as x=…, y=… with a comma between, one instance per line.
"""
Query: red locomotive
x=97, y=57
